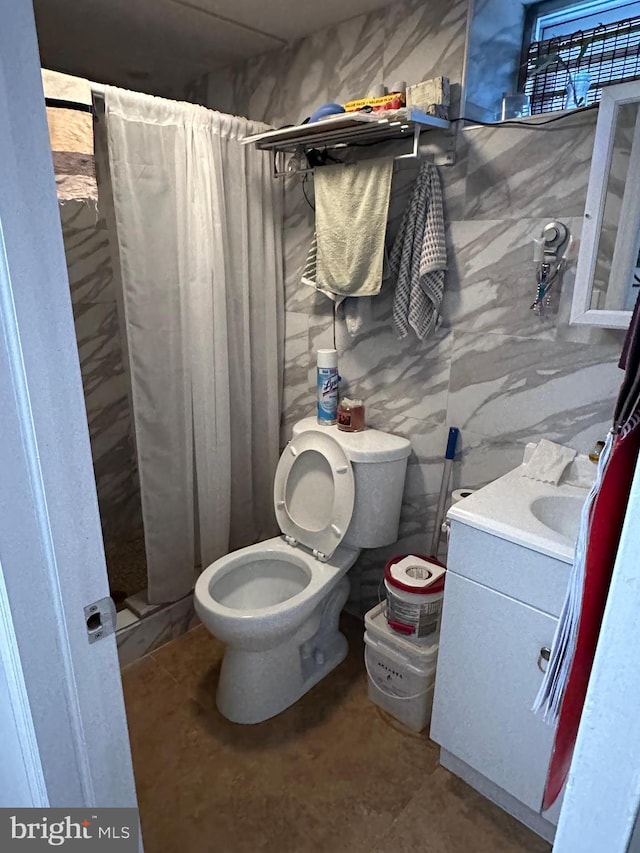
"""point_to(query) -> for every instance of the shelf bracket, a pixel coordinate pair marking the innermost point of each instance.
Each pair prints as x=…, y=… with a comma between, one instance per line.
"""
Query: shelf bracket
x=415, y=152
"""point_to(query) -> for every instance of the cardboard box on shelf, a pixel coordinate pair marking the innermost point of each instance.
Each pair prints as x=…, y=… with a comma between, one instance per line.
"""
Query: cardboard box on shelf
x=431, y=96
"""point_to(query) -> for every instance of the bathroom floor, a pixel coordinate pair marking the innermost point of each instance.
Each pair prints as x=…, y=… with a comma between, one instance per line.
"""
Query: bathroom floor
x=333, y=773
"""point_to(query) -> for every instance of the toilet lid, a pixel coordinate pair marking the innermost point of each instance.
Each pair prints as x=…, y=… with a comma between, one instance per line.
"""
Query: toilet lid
x=314, y=491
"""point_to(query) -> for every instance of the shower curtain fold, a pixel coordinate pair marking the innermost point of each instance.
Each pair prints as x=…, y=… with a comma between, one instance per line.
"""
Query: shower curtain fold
x=198, y=220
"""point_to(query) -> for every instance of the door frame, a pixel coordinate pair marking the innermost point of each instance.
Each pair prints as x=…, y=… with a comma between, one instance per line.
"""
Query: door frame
x=67, y=742
x=602, y=797
x=69, y=739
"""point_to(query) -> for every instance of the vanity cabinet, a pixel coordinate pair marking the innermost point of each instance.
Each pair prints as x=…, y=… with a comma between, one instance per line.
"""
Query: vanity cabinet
x=487, y=679
x=490, y=662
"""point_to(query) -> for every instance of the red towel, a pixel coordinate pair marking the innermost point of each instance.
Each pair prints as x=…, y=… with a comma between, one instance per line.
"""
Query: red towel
x=607, y=517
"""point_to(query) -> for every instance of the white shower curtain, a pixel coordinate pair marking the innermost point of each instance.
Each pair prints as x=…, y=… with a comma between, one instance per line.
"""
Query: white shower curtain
x=199, y=223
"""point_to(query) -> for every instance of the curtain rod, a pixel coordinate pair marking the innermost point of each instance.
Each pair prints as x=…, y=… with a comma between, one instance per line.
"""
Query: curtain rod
x=60, y=103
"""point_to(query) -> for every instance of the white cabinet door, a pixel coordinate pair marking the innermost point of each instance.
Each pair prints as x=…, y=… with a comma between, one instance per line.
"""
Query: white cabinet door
x=486, y=682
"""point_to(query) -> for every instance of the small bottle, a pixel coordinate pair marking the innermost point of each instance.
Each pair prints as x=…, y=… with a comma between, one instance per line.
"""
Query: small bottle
x=327, y=386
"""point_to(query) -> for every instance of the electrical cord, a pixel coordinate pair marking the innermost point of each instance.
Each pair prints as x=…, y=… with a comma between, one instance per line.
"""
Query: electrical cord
x=305, y=177
x=539, y=125
x=516, y=122
x=334, y=325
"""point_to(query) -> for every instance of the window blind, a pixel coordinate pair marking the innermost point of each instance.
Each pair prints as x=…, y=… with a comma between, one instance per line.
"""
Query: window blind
x=610, y=53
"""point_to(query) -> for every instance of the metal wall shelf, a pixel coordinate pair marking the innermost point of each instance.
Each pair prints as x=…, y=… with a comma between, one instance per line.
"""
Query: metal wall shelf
x=347, y=129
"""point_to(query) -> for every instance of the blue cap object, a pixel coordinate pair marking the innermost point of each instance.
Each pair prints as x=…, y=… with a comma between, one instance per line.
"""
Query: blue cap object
x=326, y=110
x=452, y=440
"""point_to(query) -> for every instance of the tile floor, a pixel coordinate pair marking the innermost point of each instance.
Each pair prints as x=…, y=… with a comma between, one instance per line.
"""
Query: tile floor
x=333, y=774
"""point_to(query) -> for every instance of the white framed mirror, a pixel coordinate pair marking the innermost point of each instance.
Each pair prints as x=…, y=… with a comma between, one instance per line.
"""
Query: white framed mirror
x=608, y=271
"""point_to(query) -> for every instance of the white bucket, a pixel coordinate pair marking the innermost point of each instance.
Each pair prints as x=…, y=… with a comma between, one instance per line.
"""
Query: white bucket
x=401, y=673
x=412, y=609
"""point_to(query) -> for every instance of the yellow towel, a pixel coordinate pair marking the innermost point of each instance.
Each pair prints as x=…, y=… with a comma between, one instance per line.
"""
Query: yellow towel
x=352, y=207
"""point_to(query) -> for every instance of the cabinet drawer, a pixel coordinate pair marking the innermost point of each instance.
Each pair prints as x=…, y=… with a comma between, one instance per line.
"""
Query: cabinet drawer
x=523, y=574
x=486, y=682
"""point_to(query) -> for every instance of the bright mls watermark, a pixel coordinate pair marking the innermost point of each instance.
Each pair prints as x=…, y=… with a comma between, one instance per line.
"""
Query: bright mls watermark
x=69, y=829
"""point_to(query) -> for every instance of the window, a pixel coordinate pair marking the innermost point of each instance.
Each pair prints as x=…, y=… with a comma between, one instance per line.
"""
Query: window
x=575, y=49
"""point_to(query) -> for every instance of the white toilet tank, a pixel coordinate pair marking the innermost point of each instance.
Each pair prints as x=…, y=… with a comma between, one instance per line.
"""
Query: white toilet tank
x=379, y=462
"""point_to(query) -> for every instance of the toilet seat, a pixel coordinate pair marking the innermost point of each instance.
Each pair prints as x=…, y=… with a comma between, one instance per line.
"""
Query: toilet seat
x=314, y=492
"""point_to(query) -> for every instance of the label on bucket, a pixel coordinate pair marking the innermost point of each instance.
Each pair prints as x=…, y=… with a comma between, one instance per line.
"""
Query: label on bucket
x=423, y=618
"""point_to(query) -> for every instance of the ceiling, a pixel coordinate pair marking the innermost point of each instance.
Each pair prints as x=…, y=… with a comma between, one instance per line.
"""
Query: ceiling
x=159, y=46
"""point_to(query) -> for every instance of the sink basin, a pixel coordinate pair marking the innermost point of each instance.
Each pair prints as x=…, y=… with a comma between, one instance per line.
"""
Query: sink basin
x=532, y=513
x=560, y=513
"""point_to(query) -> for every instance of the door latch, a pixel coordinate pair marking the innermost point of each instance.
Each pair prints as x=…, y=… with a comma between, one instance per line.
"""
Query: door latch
x=100, y=619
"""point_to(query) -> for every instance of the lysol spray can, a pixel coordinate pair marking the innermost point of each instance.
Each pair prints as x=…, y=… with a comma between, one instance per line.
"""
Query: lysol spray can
x=327, y=386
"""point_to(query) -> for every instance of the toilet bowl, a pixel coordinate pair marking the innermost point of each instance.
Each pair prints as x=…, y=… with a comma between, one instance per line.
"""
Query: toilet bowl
x=276, y=608
x=276, y=604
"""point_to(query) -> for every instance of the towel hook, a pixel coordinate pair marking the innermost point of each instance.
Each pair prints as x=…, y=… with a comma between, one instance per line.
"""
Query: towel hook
x=549, y=263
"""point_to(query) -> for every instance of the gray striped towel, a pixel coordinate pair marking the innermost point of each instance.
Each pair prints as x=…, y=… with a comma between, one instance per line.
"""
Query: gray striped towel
x=419, y=258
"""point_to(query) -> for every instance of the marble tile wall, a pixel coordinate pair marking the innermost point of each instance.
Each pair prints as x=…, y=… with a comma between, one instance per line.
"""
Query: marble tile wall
x=103, y=376
x=142, y=636
x=93, y=297
x=493, y=369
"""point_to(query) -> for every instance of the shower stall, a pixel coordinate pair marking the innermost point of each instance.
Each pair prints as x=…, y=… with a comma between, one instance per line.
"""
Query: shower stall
x=100, y=348
x=175, y=272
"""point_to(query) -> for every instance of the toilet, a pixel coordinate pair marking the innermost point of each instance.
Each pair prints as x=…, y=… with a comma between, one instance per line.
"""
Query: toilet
x=276, y=604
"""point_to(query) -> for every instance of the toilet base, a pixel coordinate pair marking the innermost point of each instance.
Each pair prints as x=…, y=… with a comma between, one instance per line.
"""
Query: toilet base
x=255, y=686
